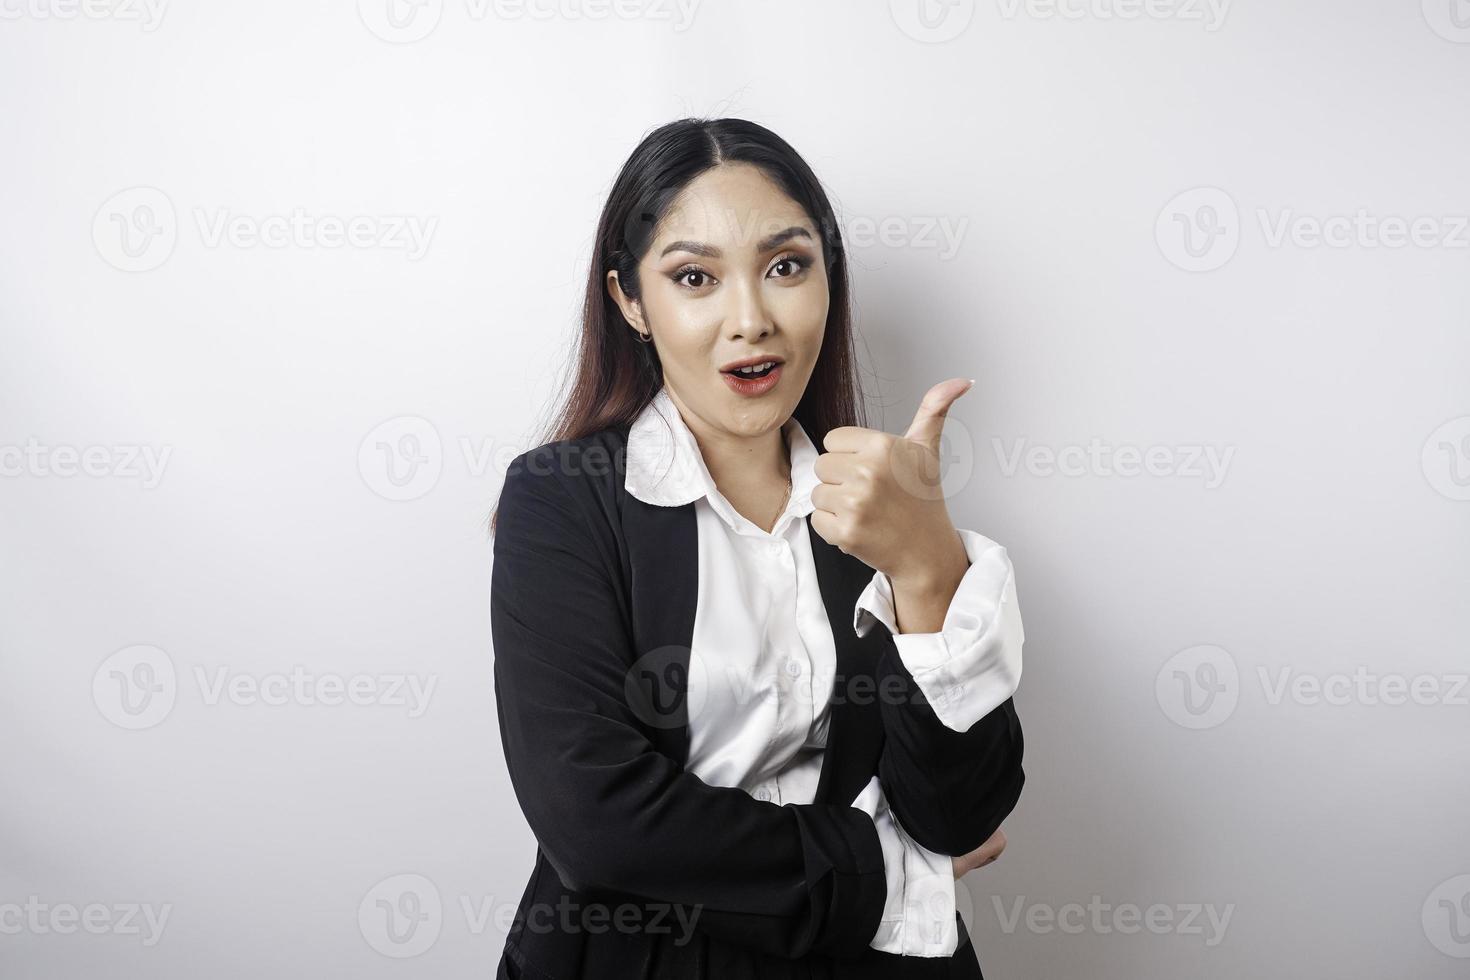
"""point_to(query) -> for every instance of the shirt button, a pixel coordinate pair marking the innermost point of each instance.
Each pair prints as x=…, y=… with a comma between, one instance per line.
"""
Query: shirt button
x=793, y=666
x=763, y=794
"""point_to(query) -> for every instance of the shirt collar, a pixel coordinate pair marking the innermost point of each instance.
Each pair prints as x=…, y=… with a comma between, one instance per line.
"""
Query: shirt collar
x=666, y=468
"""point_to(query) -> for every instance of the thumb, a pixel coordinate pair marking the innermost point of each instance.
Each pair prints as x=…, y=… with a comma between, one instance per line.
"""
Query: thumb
x=928, y=424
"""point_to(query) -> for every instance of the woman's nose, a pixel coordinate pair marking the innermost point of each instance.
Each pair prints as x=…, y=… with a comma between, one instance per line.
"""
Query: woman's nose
x=749, y=320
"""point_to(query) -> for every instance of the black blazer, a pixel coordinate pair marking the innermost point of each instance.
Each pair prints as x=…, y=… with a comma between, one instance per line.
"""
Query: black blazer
x=593, y=598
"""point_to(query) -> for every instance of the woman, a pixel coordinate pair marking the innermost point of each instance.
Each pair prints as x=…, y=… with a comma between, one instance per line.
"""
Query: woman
x=730, y=772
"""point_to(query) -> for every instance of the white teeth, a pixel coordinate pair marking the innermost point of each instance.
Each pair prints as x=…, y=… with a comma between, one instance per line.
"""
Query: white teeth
x=756, y=367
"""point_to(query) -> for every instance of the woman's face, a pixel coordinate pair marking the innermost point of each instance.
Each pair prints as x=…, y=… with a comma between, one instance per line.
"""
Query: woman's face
x=735, y=272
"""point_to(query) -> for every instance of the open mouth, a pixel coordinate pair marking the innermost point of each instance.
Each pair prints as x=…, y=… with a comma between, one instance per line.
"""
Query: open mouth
x=753, y=380
x=754, y=371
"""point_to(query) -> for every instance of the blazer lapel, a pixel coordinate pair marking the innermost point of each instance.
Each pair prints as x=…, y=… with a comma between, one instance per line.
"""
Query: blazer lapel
x=854, y=732
x=662, y=549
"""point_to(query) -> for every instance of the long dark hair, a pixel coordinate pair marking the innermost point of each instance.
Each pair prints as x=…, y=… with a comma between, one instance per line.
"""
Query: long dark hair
x=614, y=375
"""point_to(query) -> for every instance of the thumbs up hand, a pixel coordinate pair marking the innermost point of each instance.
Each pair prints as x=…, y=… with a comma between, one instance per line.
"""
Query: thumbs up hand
x=880, y=501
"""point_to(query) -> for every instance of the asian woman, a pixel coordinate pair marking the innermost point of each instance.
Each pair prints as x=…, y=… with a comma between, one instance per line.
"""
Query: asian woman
x=754, y=687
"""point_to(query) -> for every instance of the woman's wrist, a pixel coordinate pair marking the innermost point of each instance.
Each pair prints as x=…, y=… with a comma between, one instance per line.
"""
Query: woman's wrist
x=921, y=596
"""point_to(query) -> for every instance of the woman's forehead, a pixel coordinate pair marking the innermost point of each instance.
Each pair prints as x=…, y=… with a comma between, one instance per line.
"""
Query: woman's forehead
x=732, y=206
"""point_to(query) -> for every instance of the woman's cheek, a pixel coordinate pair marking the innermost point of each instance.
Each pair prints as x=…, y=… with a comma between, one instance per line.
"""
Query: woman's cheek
x=805, y=319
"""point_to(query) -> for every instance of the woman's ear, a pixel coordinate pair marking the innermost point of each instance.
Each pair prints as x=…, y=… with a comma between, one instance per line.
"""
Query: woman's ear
x=632, y=309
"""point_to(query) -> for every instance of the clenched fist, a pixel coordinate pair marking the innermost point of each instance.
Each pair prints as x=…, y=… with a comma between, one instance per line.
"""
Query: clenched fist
x=880, y=498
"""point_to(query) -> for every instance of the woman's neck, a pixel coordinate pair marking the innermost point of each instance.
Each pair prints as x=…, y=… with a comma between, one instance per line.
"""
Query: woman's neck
x=752, y=472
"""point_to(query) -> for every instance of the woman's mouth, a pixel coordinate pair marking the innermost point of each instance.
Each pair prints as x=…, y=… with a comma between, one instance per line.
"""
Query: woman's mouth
x=753, y=380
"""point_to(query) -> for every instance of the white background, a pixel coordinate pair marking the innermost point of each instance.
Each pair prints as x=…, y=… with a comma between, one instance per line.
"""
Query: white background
x=292, y=387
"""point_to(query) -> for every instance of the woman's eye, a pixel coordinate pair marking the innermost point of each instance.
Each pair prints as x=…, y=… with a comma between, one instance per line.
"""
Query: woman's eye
x=794, y=264
x=699, y=277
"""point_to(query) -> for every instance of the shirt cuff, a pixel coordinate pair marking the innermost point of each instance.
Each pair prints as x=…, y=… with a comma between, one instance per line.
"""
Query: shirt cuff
x=973, y=664
x=919, y=912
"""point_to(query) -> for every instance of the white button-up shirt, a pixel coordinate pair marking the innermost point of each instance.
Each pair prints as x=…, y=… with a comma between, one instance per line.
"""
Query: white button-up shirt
x=763, y=659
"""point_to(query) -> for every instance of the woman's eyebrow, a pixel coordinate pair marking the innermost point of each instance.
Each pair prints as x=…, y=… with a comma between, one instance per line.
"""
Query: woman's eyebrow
x=766, y=244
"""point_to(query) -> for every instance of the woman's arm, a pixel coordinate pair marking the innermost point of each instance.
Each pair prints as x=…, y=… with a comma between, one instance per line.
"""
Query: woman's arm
x=951, y=764
x=610, y=812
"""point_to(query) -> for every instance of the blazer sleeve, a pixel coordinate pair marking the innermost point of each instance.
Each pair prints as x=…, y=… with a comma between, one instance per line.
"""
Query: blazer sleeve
x=611, y=812
x=951, y=763
x=950, y=790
